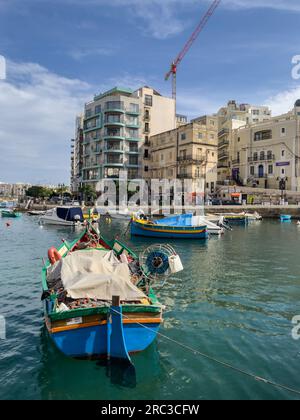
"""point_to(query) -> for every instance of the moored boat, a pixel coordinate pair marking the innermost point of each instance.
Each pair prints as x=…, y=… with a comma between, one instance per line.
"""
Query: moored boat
x=175, y=227
x=36, y=213
x=63, y=216
x=98, y=297
x=10, y=213
x=285, y=218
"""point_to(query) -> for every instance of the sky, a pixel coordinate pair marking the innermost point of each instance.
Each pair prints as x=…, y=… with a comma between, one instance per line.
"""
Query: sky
x=59, y=53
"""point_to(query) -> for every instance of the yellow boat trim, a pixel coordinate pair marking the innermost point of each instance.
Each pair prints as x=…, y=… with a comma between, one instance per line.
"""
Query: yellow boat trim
x=95, y=324
x=187, y=232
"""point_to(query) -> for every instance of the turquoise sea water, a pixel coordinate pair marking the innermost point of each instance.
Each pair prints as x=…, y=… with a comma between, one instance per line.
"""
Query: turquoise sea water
x=234, y=301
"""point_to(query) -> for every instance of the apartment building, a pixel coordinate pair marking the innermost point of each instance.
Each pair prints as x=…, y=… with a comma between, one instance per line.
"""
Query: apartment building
x=77, y=156
x=188, y=152
x=266, y=153
x=158, y=115
x=13, y=190
x=117, y=126
x=230, y=118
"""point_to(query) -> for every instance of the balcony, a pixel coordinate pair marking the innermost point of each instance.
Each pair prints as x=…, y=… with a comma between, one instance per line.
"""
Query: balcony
x=223, y=132
x=266, y=158
x=135, y=139
x=223, y=143
x=115, y=107
x=191, y=159
x=236, y=162
x=114, y=136
x=147, y=143
x=114, y=150
x=114, y=123
x=92, y=115
x=114, y=161
x=223, y=155
x=134, y=112
x=133, y=151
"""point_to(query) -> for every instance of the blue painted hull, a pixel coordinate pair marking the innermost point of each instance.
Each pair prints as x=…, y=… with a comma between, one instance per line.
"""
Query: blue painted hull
x=92, y=341
x=167, y=232
x=285, y=218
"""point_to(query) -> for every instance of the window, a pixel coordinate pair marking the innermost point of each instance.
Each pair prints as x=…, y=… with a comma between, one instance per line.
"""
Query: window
x=270, y=155
x=255, y=156
x=212, y=136
x=270, y=169
x=115, y=105
x=239, y=139
x=148, y=100
x=146, y=169
x=183, y=136
x=262, y=155
x=255, y=111
x=282, y=153
x=283, y=131
x=263, y=135
x=134, y=108
x=98, y=109
x=283, y=171
x=162, y=158
x=200, y=136
x=212, y=122
x=147, y=128
x=252, y=170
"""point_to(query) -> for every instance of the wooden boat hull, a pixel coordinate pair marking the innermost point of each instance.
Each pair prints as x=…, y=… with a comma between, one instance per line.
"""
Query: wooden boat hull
x=168, y=232
x=86, y=340
x=85, y=332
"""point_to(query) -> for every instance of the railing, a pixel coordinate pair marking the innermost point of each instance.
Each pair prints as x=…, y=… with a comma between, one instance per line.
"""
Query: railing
x=223, y=155
x=223, y=132
x=236, y=161
x=223, y=143
x=191, y=159
x=261, y=159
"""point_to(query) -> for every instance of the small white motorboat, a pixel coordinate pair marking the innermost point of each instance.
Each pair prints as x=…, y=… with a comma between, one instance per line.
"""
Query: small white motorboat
x=253, y=216
x=63, y=216
x=212, y=228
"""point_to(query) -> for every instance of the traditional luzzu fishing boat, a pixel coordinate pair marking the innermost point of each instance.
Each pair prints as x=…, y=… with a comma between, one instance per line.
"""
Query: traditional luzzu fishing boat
x=10, y=213
x=98, y=297
x=175, y=227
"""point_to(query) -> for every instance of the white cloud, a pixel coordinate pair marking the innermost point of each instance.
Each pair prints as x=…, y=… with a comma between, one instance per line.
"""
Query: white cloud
x=283, y=102
x=38, y=110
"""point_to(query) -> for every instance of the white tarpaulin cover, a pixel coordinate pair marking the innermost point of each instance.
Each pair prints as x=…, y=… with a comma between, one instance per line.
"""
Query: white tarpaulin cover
x=94, y=274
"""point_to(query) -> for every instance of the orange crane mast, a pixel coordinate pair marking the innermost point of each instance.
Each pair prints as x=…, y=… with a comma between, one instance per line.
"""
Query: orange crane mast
x=184, y=51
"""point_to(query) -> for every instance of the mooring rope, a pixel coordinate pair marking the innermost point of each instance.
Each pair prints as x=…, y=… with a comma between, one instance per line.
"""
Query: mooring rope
x=213, y=359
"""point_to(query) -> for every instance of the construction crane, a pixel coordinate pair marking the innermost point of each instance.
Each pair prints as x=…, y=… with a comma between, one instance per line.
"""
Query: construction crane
x=181, y=55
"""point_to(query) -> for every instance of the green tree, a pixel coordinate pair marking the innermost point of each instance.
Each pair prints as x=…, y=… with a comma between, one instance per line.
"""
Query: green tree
x=88, y=193
x=38, y=192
